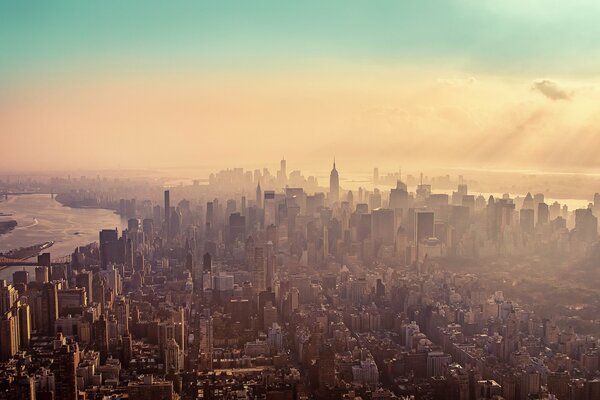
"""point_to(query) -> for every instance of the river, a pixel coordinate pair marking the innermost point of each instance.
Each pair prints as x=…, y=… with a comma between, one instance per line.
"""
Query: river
x=41, y=218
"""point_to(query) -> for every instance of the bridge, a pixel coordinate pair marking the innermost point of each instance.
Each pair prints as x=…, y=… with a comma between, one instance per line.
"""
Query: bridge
x=6, y=262
x=5, y=194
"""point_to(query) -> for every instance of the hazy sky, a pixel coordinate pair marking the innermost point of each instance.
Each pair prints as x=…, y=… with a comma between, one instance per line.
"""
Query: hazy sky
x=170, y=83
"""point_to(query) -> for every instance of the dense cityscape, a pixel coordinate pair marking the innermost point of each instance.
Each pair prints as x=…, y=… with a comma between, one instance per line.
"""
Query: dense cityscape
x=300, y=200
x=272, y=286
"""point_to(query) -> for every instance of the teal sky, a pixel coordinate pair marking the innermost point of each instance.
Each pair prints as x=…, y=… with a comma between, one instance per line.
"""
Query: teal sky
x=527, y=37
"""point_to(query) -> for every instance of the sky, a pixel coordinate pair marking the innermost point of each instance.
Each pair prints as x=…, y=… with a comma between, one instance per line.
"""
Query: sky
x=154, y=84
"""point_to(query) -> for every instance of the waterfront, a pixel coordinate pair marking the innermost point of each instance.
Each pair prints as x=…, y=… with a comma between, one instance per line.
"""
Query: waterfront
x=41, y=218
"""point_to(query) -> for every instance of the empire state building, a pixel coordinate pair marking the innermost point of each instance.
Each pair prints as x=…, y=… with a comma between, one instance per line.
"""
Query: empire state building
x=334, y=185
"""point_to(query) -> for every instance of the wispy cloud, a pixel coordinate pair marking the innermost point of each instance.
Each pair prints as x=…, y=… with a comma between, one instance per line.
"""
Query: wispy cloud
x=551, y=90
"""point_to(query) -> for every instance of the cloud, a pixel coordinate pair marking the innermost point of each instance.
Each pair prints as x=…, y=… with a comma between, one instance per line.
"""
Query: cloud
x=551, y=90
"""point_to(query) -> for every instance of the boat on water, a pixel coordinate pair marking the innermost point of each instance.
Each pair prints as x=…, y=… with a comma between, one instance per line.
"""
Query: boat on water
x=24, y=253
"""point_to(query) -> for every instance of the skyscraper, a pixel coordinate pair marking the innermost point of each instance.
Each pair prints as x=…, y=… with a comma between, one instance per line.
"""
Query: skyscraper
x=543, y=214
x=382, y=226
x=526, y=219
x=66, y=360
x=424, y=223
x=9, y=338
x=237, y=227
x=269, y=206
x=101, y=337
x=109, y=247
x=49, y=308
x=24, y=316
x=334, y=185
x=206, y=342
x=258, y=196
x=167, y=213
x=259, y=270
x=84, y=280
x=122, y=314
x=326, y=368
x=8, y=296
x=282, y=173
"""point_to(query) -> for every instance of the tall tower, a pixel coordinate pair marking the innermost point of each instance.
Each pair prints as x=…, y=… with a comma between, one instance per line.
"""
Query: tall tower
x=206, y=342
x=9, y=338
x=282, y=174
x=167, y=213
x=259, y=272
x=206, y=272
x=326, y=365
x=49, y=308
x=66, y=360
x=173, y=357
x=121, y=309
x=258, y=196
x=101, y=337
x=334, y=185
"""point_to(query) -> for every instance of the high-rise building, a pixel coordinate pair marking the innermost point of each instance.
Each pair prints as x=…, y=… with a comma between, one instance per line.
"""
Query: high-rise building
x=258, y=196
x=282, y=173
x=8, y=296
x=101, y=337
x=9, y=337
x=44, y=259
x=84, y=280
x=543, y=214
x=127, y=350
x=173, y=357
x=21, y=277
x=527, y=220
x=110, y=248
x=49, y=308
x=334, y=185
x=150, y=389
x=23, y=387
x=558, y=383
x=259, y=270
x=424, y=225
x=437, y=361
x=586, y=225
x=206, y=342
x=207, y=263
x=399, y=196
x=237, y=227
x=382, y=226
x=66, y=361
x=167, y=213
x=24, y=316
x=269, y=264
x=122, y=314
x=41, y=274
x=326, y=367
x=269, y=206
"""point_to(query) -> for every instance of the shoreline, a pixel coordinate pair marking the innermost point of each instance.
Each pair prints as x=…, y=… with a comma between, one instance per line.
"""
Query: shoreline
x=79, y=205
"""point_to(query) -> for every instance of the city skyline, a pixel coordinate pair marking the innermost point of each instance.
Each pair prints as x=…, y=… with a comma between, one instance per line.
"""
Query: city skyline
x=316, y=200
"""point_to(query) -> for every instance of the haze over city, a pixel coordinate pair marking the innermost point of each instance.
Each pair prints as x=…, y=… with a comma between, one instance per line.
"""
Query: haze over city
x=154, y=85
x=316, y=200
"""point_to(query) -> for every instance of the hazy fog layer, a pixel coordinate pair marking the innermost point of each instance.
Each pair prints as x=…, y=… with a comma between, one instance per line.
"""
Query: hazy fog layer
x=389, y=116
x=149, y=84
